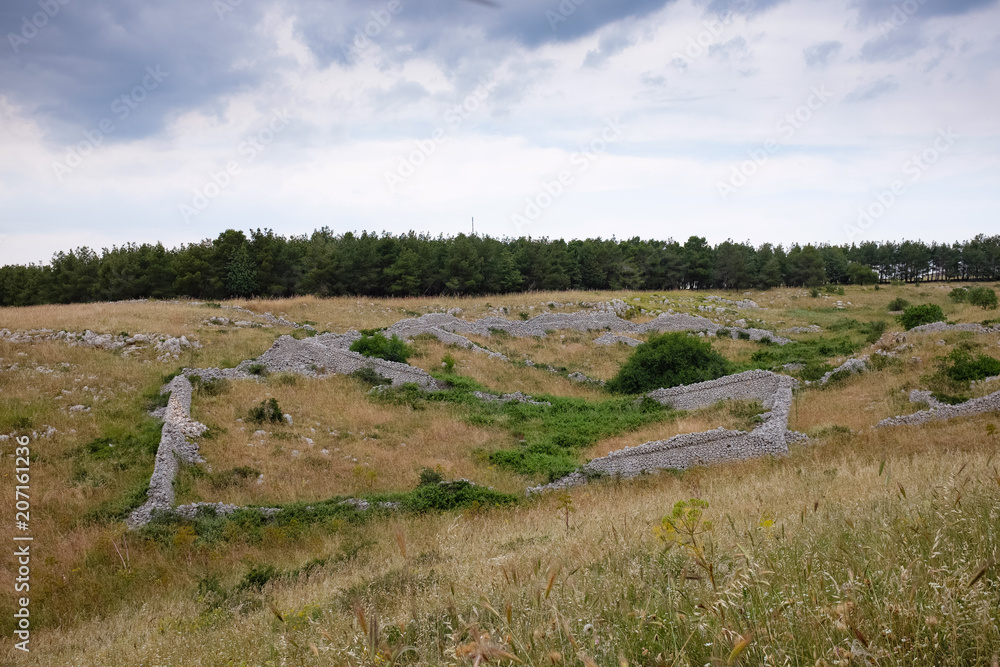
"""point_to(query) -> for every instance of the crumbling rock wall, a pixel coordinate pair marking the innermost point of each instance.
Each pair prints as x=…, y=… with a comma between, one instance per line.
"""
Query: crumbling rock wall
x=944, y=327
x=716, y=446
x=440, y=324
x=174, y=448
x=169, y=346
x=975, y=406
x=318, y=356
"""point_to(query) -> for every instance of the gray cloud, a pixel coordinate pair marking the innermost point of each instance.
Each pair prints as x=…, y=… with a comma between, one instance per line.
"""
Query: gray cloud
x=90, y=53
x=870, y=91
x=734, y=50
x=609, y=45
x=876, y=11
x=819, y=55
x=893, y=46
x=741, y=7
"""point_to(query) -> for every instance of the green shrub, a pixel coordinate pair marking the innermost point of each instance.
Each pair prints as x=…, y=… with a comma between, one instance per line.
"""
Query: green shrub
x=448, y=362
x=429, y=476
x=984, y=297
x=457, y=494
x=723, y=333
x=959, y=294
x=899, y=303
x=950, y=399
x=872, y=330
x=814, y=292
x=257, y=369
x=370, y=376
x=962, y=367
x=668, y=360
x=743, y=335
x=914, y=316
x=268, y=412
x=377, y=345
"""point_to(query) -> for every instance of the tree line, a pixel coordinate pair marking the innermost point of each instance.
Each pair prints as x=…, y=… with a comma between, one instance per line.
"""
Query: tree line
x=328, y=264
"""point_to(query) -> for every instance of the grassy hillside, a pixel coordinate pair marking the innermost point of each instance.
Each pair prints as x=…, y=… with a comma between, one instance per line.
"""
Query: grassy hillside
x=862, y=546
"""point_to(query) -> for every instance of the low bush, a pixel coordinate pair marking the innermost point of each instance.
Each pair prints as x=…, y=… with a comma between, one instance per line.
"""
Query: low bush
x=959, y=294
x=267, y=412
x=448, y=362
x=370, y=376
x=444, y=496
x=950, y=399
x=914, y=316
x=962, y=367
x=984, y=297
x=899, y=303
x=668, y=360
x=377, y=345
x=872, y=330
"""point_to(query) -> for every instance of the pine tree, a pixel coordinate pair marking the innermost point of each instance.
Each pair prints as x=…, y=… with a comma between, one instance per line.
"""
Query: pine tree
x=241, y=280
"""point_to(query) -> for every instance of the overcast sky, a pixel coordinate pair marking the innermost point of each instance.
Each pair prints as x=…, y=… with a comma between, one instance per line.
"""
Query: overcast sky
x=760, y=120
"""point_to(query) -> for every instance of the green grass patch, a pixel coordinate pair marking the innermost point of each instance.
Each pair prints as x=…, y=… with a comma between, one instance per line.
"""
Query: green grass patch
x=377, y=345
x=295, y=520
x=550, y=436
x=813, y=354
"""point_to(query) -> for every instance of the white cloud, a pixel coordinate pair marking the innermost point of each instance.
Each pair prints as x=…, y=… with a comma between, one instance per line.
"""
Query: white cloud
x=690, y=117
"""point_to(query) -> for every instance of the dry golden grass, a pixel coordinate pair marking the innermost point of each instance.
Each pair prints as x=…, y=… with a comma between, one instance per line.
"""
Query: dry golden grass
x=506, y=557
x=371, y=447
x=498, y=375
x=166, y=317
x=858, y=486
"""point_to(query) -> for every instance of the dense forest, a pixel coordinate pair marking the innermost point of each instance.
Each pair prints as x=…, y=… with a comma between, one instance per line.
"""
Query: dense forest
x=266, y=264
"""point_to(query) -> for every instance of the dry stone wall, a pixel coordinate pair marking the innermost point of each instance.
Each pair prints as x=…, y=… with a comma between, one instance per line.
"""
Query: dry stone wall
x=442, y=324
x=169, y=347
x=175, y=446
x=717, y=446
x=327, y=354
x=940, y=411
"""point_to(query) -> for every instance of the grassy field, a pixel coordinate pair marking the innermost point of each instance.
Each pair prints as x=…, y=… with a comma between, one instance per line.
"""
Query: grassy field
x=862, y=547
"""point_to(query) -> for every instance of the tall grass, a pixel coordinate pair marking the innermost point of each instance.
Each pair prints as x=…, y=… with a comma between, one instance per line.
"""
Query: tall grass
x=863, y=547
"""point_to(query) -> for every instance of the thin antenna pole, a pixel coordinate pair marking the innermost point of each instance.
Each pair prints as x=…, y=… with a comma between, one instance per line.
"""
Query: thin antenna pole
x=473, y=225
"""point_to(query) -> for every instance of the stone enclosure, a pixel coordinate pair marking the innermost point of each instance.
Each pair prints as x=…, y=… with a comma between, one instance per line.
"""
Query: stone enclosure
x=326, y=354
x=774, y=391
